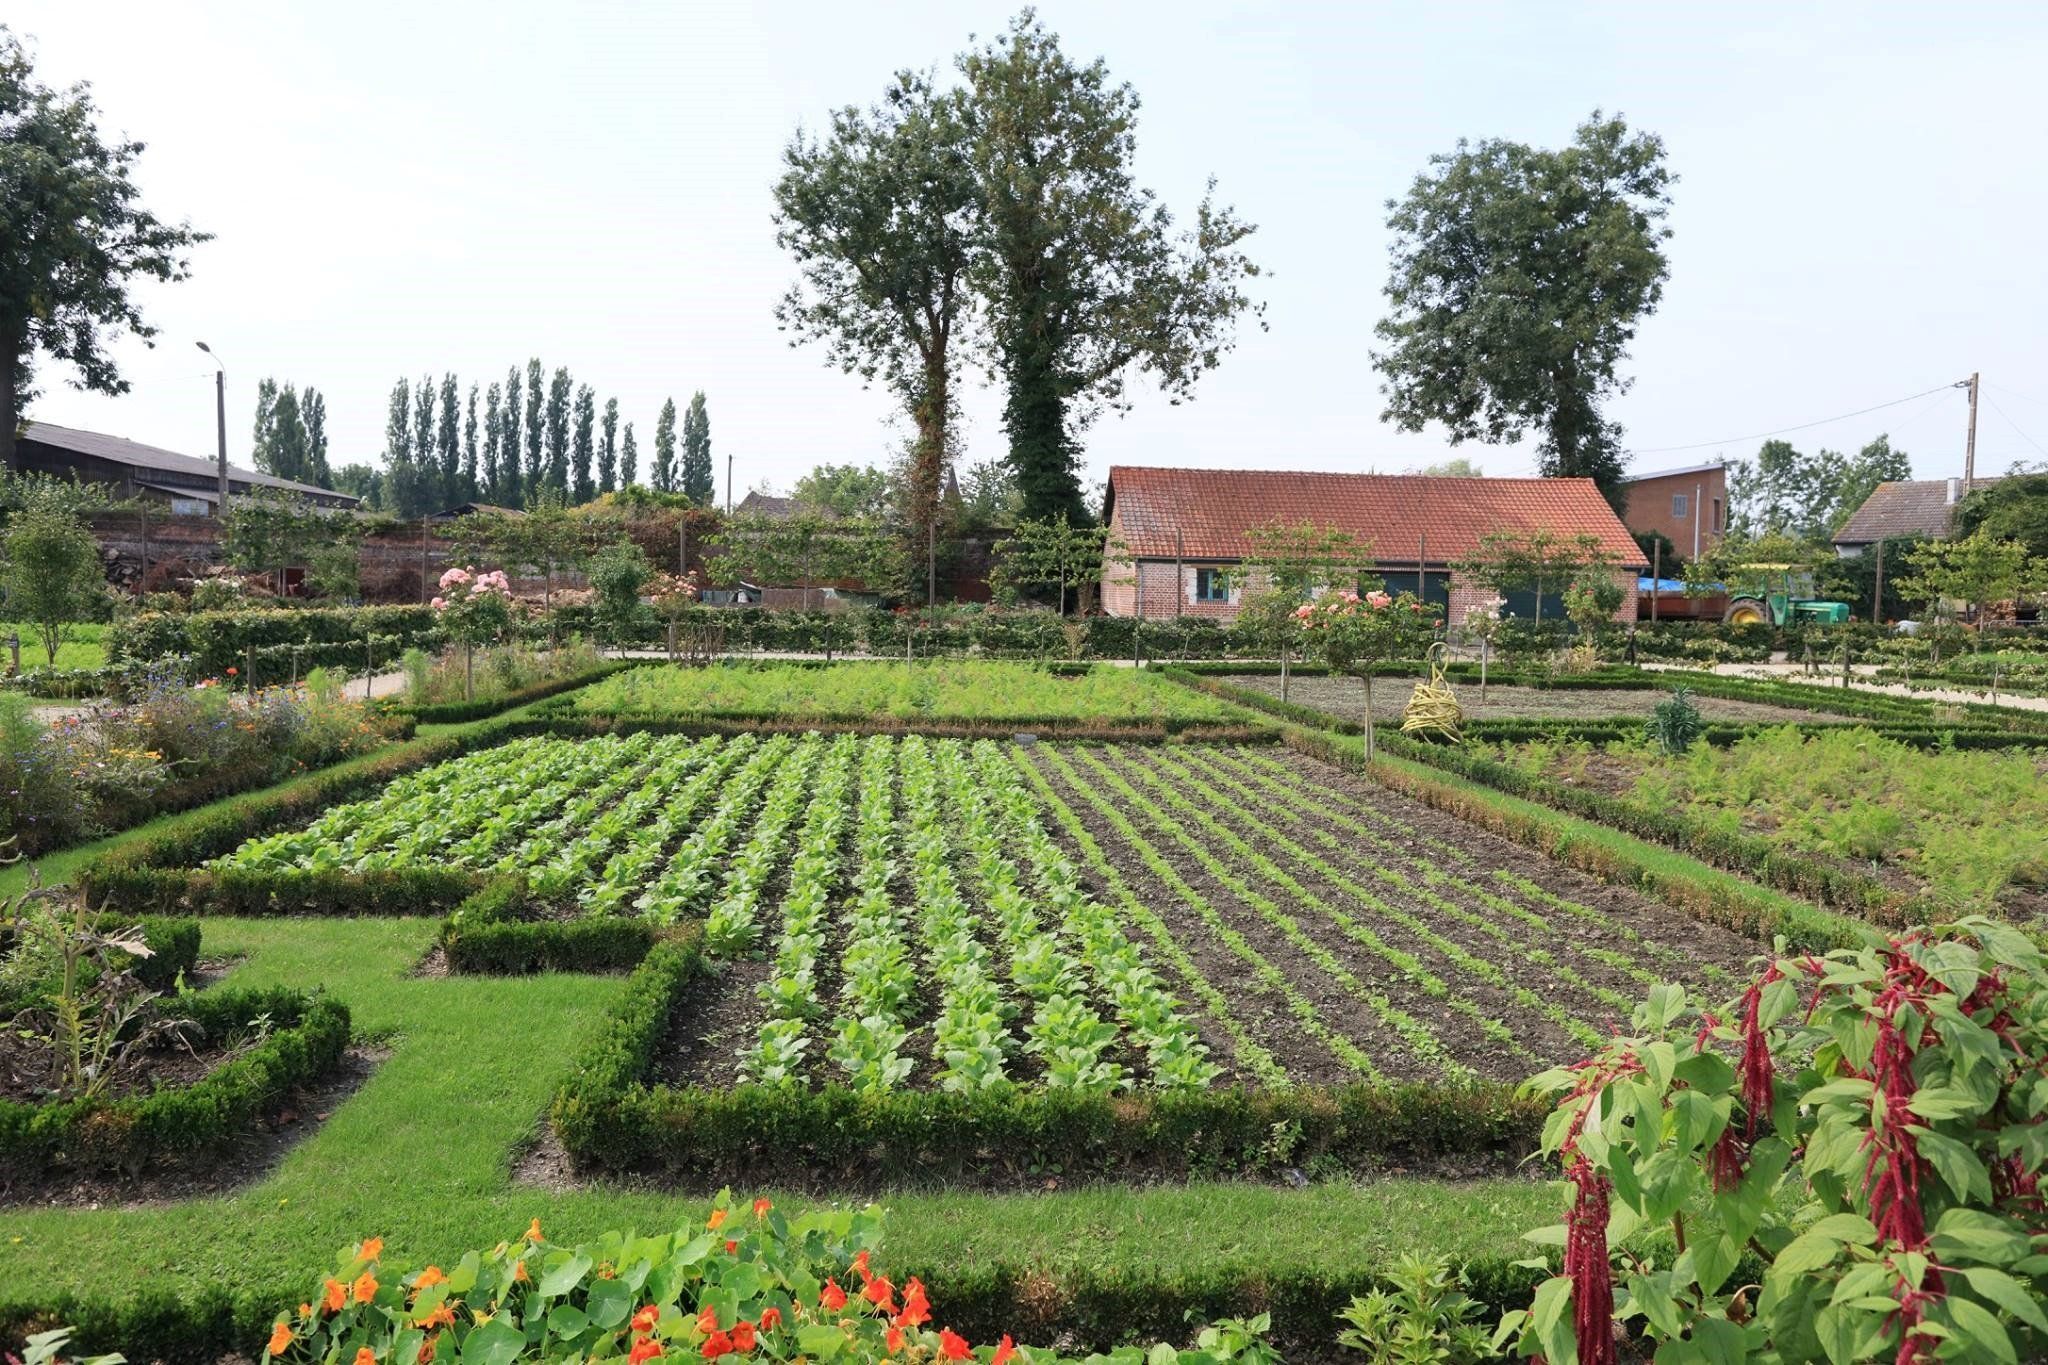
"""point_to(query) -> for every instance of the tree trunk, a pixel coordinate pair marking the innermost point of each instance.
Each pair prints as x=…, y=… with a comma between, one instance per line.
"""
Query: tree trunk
x=468, y=671
x=1366, y=677
x=928, y=454
x=1284, y=651
x=13, y=343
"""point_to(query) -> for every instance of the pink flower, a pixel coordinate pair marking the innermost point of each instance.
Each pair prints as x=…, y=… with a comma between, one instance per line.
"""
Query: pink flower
x=454, y=576
x=1377, y=599
x=440, y=604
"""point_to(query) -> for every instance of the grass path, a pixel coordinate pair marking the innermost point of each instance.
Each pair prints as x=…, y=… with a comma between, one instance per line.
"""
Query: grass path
x=421, y=1154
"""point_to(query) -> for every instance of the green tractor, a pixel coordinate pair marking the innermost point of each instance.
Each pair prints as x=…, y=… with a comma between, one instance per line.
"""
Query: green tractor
x=1791, y=602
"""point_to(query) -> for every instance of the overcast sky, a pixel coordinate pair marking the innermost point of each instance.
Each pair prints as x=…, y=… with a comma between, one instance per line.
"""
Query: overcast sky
x=403, y=188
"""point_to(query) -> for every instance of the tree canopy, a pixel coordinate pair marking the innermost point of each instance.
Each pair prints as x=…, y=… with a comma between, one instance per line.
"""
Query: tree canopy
x=1784, y=491
x=847, y=490
x=1520, y=275
x=2014, y=508
x=73, y=237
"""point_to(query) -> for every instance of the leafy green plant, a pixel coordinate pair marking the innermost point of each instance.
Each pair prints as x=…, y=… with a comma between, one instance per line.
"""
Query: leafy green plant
x=1423, y=1319
x=1868, y=1125
x=1675, y=723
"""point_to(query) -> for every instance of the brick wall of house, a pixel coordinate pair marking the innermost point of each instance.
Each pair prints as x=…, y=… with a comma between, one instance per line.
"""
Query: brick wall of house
x=1120, y=595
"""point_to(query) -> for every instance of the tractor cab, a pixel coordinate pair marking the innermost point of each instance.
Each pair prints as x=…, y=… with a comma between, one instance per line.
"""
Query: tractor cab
x=1780, y=595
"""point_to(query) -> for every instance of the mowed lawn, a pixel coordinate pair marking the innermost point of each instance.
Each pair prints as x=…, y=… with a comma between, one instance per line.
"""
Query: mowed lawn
x=84, y=646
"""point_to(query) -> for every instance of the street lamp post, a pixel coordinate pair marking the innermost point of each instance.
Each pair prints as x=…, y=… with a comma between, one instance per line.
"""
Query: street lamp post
x=220, y=413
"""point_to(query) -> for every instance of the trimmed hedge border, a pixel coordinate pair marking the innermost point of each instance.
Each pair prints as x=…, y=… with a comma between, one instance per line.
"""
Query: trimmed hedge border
x=712, y=723
x=607, y=1116
x=463, y=712
x=494, y=933
x=308, y=1038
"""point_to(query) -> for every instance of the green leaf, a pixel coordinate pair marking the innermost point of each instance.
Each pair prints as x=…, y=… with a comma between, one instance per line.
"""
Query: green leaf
x=497, y=1342
x=821, y=1341
x=610, y=1303
x=1548, y=1319
x=566, y=1321
x=1981, y=1327
x=1846, y=1227
x=2008, y=1293
x=564, y=1277
x=1955, y=965
x=1969, y=1234
x=1651, y=1295
x=1721, y=1342
x=1707, y=1072
x=1945, y=1102
x=1959, y=1167
x=1808, y=1252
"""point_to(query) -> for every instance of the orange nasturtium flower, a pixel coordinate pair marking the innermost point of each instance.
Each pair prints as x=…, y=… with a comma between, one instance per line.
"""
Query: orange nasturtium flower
x=880, y=1293
x=305, y=1310
x=707, y=1321
x=952, y=1345
x=644, y=1320
x=761, y=1207
x=533, y=1233
x=716, y=1345
x=893, y=1338
x=860, y=1267
x=443, y=1315
x=832, y=1296
x=428, y=1278
x=280, y=1338
x=645, y=1349
x=335, y=1297
x=371, y=1249
x=1006, y=1352
x=771, y=1318
x=427, y=1349
x=365, y=1356
x=743, y=1336
x=716, y=1220
x=365, y=1287
x=916, y=1308
x=519, y=1270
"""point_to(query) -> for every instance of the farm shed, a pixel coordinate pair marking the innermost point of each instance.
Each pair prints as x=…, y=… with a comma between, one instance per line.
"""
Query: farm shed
x=1183, y=531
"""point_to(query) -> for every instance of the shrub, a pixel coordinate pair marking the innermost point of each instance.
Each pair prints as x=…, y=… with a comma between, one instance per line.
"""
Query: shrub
x=1869, y=1122
x=1674, y=723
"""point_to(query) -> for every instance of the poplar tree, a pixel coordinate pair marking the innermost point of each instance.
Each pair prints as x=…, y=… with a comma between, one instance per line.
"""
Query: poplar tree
x=629, y=458
x=259, y=436
x=665, y=449
x=401, y=486
x=584, y=446
x=536, y=394
x=608, y=449
x=558, y=434
x=286, y=441
x=469, y=453
x=696, y=475
x=510, y=492
x=448, y=450
x=314, y=406
x=493, y=490
x=427, y=474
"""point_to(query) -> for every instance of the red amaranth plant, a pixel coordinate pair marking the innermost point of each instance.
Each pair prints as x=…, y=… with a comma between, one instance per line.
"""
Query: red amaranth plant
x=1879, y=1152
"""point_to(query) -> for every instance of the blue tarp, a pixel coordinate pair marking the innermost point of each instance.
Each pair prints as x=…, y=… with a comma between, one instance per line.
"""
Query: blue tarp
x=1671, y=587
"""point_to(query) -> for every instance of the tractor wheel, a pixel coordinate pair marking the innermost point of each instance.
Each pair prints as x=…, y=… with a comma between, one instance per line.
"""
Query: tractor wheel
x=1745, y=611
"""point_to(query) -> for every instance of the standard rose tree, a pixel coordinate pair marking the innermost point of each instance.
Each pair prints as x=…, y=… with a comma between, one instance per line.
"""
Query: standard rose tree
x=475, y=609
x=1354, y=634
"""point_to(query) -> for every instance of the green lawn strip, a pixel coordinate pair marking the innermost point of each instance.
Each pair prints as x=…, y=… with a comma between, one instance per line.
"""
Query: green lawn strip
x=1300, y=1006
x=1409, y=965
x=1421, y=1041
x=420, y=1156
x=1252, y=1059
x=1200, y=778
x=1257, y=768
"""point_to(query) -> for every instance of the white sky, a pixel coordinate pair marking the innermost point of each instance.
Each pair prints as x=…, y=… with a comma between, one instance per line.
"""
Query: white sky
x=403, y=188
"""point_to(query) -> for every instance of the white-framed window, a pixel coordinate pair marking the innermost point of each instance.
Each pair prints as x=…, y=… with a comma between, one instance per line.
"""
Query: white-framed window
x=190, y=507
x=1212, y=584
x=1681, y=505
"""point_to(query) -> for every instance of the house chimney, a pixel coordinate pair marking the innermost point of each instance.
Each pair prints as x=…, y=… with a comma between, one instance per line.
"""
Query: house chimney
x=1954, y=486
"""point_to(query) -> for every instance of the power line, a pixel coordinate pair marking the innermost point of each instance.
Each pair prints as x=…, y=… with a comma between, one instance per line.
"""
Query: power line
x=2014, y=425
x=1780, y=431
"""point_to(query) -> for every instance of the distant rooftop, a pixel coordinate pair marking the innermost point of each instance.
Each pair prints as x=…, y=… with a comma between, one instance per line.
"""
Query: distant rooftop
x=1715, y=467
x=135, y=455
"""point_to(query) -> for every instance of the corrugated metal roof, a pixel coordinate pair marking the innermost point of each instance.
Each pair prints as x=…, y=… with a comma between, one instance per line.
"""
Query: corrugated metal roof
x=121, y=450
x=1211, y=510
x=1716, y=467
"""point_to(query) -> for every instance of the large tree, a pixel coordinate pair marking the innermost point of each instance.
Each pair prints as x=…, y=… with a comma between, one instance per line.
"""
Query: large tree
x=469, y=449
x=608, y=449
x=286, y=450
x=696, y=477
x=401, y=490
x=1785, y=492
x=2014, y=508
x=584, y=445
x=665, y=449
x=878, y=214
x=73, y=238
x=1084, y=276
x=1519, y=277
x=629, y=457
x=860, y=492
x=559, y=398
x=425, y=457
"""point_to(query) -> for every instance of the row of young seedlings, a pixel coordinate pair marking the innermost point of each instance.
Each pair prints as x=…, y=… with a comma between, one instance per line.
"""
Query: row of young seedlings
x=878, y=983
x=622, y=878
x=692, y=871
x=478, y=800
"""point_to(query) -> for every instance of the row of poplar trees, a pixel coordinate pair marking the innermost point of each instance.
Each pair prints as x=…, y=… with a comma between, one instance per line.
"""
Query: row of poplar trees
x=535, y=437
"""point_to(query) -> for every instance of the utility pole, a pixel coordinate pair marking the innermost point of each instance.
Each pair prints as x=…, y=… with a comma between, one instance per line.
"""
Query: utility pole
x=220, y=414
x=1877, y=592
x=1970, y=443
x=728, y=485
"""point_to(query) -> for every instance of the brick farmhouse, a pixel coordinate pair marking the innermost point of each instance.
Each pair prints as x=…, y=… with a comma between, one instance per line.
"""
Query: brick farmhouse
x=1181, y=532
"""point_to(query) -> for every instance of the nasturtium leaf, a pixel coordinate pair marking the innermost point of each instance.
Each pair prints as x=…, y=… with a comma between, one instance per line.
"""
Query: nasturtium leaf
x=496, y=1342
x=1161, y=1354
x=821, y=1341
x=564, y=1277
x=566, y=1321
x=462, y=1279
x=610, y=1303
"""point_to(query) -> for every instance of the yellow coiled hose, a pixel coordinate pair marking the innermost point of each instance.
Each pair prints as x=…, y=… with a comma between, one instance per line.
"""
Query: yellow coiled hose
x=1433, y=708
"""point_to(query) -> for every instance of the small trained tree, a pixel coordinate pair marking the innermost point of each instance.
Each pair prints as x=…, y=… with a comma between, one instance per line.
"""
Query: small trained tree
x=52, y=573
x=1590, y=603
x=1052, y=554
x=805, y=550
x=1515, y=561
x=1286, y=565
x=1977, y=571
x=1354, y=634
x=617, y=574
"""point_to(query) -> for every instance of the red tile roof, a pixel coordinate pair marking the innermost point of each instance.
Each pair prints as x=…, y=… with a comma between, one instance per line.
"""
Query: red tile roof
x=1212, y=509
